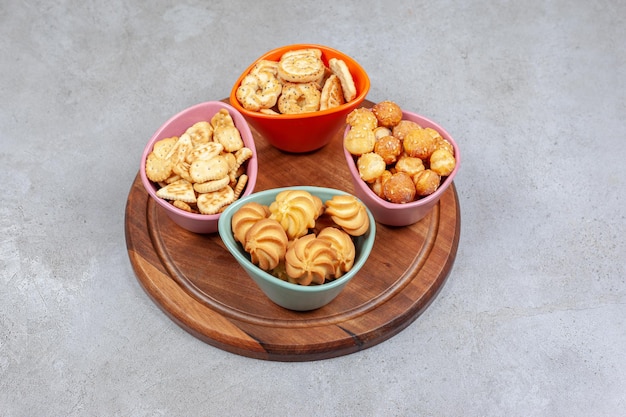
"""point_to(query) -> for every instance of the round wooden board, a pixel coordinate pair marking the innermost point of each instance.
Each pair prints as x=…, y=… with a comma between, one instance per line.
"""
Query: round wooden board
x=197, y=283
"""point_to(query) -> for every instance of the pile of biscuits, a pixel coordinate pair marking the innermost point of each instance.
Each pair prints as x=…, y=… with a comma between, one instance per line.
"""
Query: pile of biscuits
x=299, y=82
x=398, y=159
x=204, y=169
x=300, y=239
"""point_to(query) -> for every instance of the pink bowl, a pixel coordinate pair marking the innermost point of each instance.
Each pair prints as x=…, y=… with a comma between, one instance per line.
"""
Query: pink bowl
x=304, y=132
x=393, y=214
x=197, y=223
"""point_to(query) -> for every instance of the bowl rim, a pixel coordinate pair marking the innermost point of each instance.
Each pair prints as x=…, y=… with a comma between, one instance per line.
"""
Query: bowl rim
x=299, y=116
x=225, y=232
x=422, y=201
x=252, y=169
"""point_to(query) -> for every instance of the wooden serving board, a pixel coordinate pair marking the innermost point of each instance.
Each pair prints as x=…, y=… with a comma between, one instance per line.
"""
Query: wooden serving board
x=197, y=283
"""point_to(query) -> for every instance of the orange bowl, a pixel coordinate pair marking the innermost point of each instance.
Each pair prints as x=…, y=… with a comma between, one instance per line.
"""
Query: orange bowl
x=304, y=132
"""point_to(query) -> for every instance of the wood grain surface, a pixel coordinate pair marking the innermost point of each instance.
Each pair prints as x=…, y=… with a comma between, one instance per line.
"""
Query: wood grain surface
x=197, y=283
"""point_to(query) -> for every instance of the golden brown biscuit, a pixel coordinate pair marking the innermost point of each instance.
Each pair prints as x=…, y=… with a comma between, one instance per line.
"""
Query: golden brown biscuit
x=419, y=143
x=222, y=118
x=212, y=185
x=359, y=140
x=162, y=147
x=204, y=151
x=426, y=182
x=399, y=188
x=377, y=186
x=388, y=113
x=362, y=117
x=389, y=148
x=410, y=165
x=370, y=166
x=229, y=137
x=210, y=169
x=240, y=185
x=158, y=169
x=442, y=162
x=403, y=127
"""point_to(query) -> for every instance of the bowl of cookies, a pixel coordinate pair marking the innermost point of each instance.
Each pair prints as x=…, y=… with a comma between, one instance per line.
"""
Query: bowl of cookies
x=297, y=96
x=198, y=162
x=301, y=245
x=400, y=162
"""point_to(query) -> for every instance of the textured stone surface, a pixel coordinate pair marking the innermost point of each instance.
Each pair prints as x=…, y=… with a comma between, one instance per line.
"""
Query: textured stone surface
x=532, y=320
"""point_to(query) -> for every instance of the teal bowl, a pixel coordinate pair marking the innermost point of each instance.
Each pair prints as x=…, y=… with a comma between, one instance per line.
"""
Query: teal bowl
x=285, y=294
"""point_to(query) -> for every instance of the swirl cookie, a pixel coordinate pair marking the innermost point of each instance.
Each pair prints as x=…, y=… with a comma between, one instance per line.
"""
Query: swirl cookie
x=246, y=217
x=296, y=211
x=266, y=242
x=344, y=248
x=310, y=260
x=349, y=214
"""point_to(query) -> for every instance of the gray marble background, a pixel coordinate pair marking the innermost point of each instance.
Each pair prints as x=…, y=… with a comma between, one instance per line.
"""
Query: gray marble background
x=532, y=320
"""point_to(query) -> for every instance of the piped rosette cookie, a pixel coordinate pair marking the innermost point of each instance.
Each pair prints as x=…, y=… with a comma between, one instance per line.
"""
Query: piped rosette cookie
x=349, y=214
x=266, y=242
x=296, y=211
x=310, y=260
x=344, y=248
x=315, y=242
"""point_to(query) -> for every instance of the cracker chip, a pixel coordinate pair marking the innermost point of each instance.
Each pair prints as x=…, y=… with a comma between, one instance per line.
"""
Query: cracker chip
x=180, y=150
x=200, y=132
x=241, y=184
x=183, y=206
x=182, y=170
x=157, y=169
x=205, y=151
x=229, y=137
x=207, y=170
x=162, y=147
x=210, y=186
x=222, y=118
x=211, y=203
x=180, y=190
